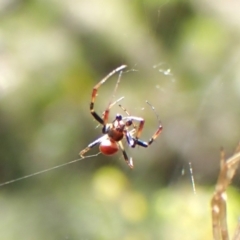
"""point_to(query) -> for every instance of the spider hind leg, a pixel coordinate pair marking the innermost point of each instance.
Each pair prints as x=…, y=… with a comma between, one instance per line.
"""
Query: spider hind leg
x=91, y=145
x=128, y=160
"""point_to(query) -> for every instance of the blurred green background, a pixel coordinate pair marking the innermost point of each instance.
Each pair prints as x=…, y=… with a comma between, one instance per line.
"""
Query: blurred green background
x=182, y=56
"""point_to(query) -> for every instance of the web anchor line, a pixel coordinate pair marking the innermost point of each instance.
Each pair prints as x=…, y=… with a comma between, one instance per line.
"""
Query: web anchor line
x=46, y=170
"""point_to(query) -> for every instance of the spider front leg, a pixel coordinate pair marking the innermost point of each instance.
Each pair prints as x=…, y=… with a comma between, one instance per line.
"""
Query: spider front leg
x=140, y=127
x=139, y=142
x=155, y=135
x=103, y=120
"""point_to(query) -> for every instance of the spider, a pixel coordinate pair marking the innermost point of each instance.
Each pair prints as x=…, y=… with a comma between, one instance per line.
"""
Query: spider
x=115, y=131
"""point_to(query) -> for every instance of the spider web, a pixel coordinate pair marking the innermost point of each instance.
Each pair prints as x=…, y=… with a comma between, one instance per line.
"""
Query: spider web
x=112, y=103
x=46, y=170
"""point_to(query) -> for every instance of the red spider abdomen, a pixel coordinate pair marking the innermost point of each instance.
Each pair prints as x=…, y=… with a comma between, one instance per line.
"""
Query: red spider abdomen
x=108, y=147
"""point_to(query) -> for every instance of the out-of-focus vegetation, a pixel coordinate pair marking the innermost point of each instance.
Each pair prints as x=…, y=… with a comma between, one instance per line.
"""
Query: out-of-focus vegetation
x=183, y=58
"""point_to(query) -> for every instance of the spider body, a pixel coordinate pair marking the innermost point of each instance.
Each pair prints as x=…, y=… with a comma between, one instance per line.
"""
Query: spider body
x=114, y=132
x=108, y=147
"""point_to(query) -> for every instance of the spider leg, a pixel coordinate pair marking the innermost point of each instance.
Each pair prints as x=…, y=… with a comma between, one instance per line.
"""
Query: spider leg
x=130, y=121
x=139, y=131
x=110, y=106
x=128, y=160
x=140, y=126
x=91, y=145
x=94, y=94
x=130, y=139
x=146, y=144
x=106, y=112
x=118, y=100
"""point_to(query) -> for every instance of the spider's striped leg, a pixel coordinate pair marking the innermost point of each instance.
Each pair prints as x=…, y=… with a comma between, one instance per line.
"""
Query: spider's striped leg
x=128, y=160
x=129, y=137
x=91, y=145
x=106, y=112
x=146, y=144
x=140, y=126
x=94, y=94
x=111, y=105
